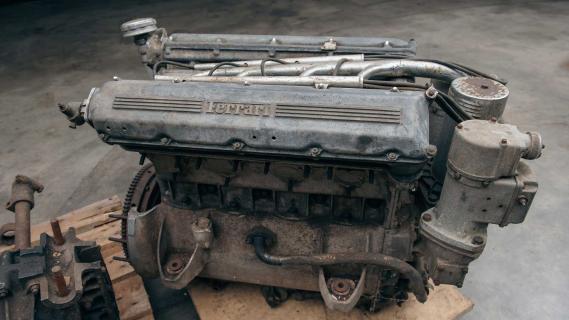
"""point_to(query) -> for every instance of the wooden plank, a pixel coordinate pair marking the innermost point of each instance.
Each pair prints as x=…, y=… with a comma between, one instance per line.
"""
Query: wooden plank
x=118, y=270
x=132, y=299
x=242, y=301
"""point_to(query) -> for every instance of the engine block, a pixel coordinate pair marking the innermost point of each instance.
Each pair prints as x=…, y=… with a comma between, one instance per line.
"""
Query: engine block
x=310, y=163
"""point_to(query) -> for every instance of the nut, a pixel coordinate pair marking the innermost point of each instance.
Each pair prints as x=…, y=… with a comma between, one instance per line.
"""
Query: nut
x=431, y=92
x=431, y=151
x=477, y=240
x=165, y=141
x=175, y=265
x=315, y=152
x=237, y=145
x=341, y=288
x=34, y=288
x=392, y=156
x=523, y=200
x=203, y=222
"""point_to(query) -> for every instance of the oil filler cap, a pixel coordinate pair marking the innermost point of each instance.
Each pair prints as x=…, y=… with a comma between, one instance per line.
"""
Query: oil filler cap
x=138, y=27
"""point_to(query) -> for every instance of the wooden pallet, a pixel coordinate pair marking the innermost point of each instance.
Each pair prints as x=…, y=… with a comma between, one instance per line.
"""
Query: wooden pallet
x=237, y=301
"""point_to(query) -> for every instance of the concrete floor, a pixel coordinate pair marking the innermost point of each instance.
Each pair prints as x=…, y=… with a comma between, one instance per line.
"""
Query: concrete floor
x=57, y=50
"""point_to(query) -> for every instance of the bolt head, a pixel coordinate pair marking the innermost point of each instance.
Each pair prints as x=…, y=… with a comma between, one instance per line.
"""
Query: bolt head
x=477, y=240
x=427, y=217
x=203, y=222
x=315, y=152
x=175, y=265
x=459, y=126
x=523, y=200
x=237, y=145
x=35, y=288
x=431, y=92
x=392, y=156
x=431, y=150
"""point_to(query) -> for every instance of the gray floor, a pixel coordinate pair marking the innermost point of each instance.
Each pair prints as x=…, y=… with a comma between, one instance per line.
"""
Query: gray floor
x=57, y=50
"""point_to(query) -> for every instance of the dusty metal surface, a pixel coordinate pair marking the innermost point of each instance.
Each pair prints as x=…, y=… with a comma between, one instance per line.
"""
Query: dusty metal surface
x=481, y=97
x=305, y=175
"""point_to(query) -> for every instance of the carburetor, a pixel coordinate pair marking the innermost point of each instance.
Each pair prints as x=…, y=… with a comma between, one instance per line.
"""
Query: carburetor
x=323, y=164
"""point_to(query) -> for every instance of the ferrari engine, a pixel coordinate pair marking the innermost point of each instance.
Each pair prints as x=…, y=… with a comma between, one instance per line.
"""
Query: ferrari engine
x=340, y=165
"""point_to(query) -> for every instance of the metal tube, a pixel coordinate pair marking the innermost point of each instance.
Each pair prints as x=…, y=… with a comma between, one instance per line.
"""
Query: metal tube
x=388, y=68
x=308, y=60
x=22, y=212
x=406, y=270
x=365, y=69
x=405, y=68
x=295, y=66
x=277, y=70
x=21, y=203
x=345, y=68
x=57, y=235
x=60, y=283
x=348, y=82
x=292, y=69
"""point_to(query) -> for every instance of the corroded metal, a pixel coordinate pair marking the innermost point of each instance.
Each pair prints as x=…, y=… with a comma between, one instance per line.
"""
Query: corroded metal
x=56, y=231
x=310, y=164
x=21, y=203
x=62, y=277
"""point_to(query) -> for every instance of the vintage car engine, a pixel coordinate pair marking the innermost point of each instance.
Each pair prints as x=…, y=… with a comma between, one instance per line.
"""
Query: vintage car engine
x=340, y=165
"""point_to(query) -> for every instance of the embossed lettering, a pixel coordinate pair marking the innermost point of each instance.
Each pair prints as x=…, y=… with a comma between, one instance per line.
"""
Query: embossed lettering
x=237, y=109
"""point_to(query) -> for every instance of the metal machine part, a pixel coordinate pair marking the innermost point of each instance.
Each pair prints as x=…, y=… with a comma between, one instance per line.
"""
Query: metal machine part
x=308, y=163
x=298, y=116
x=21, y=203
x=61, y=278
x=186, y=47
x=487, y=180
x=482, y=98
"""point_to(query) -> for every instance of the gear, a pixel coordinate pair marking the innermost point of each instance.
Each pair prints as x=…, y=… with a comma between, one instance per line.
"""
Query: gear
x=98, y=300
x=143, y=194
